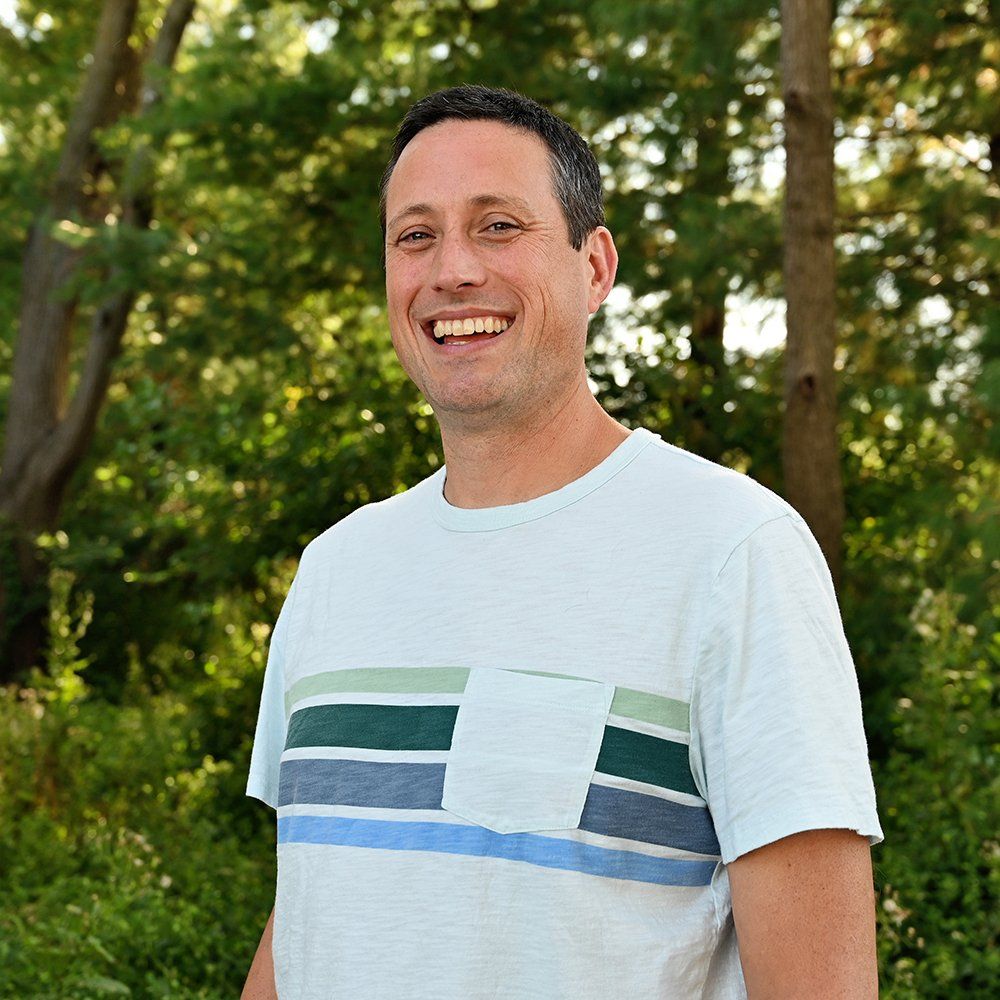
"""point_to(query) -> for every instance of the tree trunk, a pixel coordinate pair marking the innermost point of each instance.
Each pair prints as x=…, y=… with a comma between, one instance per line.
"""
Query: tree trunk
x=810, y=447
x=47, y=434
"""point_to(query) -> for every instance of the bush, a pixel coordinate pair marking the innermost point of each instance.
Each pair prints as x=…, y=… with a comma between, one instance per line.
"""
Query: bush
x=133, y=864
x=938, y=870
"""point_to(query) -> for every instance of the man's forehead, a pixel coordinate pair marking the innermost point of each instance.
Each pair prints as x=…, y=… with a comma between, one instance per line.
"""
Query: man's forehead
x=511, y=201
x=454, y=160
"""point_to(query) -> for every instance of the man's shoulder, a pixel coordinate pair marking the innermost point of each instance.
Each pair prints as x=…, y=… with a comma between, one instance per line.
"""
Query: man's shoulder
x=720, y=499
x=370, y=522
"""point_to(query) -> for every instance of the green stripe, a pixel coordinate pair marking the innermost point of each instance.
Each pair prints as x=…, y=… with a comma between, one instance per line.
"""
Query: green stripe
x=389, y=680
x=631, y=704
x=377, y=727
x=654, y=708
x=623, y=753
x=646, y=758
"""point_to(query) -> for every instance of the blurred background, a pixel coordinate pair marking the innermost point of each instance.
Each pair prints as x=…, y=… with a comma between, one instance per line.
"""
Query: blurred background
x=196, y=378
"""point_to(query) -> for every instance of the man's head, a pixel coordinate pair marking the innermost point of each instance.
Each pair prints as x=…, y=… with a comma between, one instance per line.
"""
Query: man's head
x=491, y=208
x=576, y=178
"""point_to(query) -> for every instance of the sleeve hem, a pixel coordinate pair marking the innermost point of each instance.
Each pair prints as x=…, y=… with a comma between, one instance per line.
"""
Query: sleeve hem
x=768, y=833
x=254, y=791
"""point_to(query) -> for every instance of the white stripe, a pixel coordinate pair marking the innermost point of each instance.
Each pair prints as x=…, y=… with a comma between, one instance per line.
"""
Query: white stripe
x=378, y=698
x=613, y=781
x=441, y=757
x=649, y=728
x=364, y=753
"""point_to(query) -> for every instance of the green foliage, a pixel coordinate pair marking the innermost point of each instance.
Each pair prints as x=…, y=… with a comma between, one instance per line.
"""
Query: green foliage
x=133, y=864
x=939, y=868
x=257, y=401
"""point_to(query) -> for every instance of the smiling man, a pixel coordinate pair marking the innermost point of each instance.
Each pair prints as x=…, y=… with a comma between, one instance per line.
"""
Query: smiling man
x=476, y=231
x=574, y=718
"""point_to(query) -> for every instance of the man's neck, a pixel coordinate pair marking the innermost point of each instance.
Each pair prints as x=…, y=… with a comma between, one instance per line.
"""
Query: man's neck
x=492, y=468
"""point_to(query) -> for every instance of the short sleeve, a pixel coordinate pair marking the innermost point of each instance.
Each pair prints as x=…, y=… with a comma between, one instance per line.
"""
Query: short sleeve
x=778, y=744
x=269, y=736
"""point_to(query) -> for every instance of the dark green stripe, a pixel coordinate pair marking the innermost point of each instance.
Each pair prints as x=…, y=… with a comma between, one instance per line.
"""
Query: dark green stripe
x=646, y=758
x=377, y=727
x=623, y=753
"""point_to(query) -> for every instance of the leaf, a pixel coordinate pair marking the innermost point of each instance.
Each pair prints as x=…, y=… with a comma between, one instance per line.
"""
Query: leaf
x=105, y=985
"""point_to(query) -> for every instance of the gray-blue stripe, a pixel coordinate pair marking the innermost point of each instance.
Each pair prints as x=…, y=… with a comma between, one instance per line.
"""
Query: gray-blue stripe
x=612, y=812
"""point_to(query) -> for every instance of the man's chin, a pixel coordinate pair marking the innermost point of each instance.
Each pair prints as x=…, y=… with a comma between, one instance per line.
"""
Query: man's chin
x=471, y=410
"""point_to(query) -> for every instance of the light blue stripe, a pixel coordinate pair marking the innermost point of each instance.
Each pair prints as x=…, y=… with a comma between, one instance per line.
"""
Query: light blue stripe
x=449, y=838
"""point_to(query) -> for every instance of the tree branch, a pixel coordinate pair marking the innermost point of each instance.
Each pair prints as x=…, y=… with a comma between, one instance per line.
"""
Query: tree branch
x=110, y=48
x=75, y=431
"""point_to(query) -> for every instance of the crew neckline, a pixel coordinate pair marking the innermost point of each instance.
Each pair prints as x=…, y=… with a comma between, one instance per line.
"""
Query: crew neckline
x=507, y=515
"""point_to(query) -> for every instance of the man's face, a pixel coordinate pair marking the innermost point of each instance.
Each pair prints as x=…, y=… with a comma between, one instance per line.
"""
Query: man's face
x=474, y=230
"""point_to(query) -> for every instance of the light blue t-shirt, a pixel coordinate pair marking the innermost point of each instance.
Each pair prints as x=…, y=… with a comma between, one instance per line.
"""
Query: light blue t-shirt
x=512, y=750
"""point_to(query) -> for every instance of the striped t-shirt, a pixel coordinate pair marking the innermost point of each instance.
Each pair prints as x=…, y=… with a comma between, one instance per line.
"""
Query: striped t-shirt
x=513, y=749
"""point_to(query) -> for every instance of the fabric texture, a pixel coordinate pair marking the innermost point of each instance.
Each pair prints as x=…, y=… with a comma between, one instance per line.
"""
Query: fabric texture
x=513, y=750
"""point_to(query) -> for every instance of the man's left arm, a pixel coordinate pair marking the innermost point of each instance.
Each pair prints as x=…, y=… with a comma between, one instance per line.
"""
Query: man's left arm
x=805, y=917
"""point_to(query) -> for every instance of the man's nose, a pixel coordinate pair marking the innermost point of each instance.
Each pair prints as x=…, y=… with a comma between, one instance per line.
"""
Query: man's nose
x=457, y=263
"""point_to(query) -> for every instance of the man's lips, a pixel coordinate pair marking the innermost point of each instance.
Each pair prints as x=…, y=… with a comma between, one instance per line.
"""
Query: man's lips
x=454, y=329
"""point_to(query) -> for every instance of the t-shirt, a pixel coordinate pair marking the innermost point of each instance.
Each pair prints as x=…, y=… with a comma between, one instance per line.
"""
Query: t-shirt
x=513, y=749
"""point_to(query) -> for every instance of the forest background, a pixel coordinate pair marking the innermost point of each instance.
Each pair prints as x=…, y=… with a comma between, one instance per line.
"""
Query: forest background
x=229, y=219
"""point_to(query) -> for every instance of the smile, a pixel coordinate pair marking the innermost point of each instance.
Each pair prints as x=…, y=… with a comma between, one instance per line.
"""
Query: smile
x=466, y=329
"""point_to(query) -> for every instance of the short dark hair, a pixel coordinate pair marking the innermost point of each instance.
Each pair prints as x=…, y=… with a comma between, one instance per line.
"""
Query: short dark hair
x=576, y=178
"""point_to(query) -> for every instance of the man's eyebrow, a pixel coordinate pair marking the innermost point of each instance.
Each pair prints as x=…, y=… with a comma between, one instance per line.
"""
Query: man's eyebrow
x=421, y=209
x=504, y=200
x=476, y=201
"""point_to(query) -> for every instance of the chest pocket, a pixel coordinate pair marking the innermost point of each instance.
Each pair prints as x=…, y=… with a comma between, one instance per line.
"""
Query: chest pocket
x=524, y=749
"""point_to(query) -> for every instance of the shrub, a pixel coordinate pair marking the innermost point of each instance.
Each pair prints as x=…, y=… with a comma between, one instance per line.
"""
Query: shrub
x=938, y=870
x=133, y=865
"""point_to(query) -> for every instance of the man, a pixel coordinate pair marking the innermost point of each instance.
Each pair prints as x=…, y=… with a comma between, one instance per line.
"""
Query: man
x=574, y=718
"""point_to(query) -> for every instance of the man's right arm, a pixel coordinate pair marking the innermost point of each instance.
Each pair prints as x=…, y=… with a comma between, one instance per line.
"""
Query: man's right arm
x=260, y=979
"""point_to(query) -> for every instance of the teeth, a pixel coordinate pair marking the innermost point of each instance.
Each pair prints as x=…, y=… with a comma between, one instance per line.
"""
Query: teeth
x=466, y=327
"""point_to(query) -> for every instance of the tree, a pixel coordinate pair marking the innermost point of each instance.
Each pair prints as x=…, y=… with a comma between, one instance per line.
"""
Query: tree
x=810, y=446
x=47, y=432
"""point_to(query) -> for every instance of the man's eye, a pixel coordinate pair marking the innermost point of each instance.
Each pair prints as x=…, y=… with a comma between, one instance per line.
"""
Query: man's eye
x=410, y=237
x=506, y=225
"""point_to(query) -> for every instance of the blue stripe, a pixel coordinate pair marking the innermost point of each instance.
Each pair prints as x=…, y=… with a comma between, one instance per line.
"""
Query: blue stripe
x=620, y=812
x=611, y=812
x=448, y=838
x=373, y=784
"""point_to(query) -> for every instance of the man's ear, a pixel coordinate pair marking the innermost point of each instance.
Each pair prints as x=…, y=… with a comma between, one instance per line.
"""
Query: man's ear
x=602, y=262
